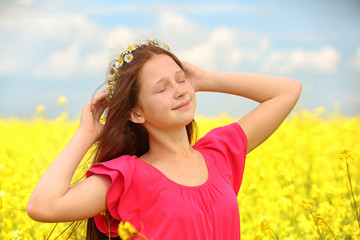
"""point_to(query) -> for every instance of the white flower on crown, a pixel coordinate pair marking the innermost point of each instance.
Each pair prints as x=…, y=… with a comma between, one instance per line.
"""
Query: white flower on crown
x=117, y=64
x=130, y=48
x=166, y=47
x=110, y=77
x=120, y=61
x=128, y=57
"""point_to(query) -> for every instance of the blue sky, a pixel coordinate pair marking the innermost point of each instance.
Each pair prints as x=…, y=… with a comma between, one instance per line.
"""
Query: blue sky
x=53, y=48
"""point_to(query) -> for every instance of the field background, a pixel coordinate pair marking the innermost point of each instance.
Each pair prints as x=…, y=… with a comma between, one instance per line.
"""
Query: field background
x=296, y=185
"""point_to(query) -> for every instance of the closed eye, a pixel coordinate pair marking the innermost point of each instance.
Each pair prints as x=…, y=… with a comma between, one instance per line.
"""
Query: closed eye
x=162, y=89
x=181, y=80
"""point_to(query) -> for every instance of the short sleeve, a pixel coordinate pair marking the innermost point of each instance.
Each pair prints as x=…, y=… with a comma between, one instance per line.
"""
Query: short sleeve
x=120, y=171
x=227, y=142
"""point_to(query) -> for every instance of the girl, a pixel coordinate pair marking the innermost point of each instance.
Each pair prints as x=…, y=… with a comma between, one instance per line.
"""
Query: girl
x=146, y=170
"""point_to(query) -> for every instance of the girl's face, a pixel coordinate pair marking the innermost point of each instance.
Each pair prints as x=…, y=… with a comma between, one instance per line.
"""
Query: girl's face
x=166, y=98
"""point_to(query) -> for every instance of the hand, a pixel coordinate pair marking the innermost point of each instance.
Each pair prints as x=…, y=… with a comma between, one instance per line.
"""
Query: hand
x=194, y=74
x=91, y=114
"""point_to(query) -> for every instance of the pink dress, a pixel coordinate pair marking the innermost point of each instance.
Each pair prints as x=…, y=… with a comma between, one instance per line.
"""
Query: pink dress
x=163, y=209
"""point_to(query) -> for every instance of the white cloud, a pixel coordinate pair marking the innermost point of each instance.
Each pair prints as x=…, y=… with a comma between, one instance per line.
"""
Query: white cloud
x=74, y=59
x=252, y=55
x=7, y=60
x=119, y=37
x=177, y=30
x=355, y=60
x=62, y=62
x=25, y=2
x=74, y=44
x=221, y=49
x=173, y=20
x=38, y=25
x=183, y=7
x=47, y=44
x=283, y=61
x=209, y=48
x=207, y=53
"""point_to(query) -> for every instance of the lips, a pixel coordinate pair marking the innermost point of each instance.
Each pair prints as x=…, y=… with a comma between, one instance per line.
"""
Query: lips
x=182, y=105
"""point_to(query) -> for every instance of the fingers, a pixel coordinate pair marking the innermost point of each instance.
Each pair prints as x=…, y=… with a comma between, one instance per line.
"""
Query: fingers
x=185, y=65
x=100, y=96
x=99, y=103
x=195, y=75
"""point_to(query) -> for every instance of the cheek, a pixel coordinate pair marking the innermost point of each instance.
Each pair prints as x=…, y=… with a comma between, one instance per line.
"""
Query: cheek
x=191, y=91
x=157, y=105
x=190, y=88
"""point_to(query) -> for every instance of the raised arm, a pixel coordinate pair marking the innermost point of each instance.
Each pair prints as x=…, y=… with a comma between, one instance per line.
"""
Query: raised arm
x=277, y=97
x=53, y=200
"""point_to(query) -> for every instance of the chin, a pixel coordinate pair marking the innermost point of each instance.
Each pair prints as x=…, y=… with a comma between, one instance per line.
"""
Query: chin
x=188, y=120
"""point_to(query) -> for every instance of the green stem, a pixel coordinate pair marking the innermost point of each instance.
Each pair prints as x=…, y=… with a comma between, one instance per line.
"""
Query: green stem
x=277, y=237
x=108, y=220
x=353, y=202
x=317, y=226
x=52, y=230
x=329, y=228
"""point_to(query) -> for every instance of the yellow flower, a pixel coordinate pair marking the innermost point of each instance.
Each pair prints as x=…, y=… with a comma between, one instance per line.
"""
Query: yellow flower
x=300, y=147
x=62, y=100
x=264, y=224
x=307, y=204
x=40, y=108
x=345, y=154
x=16, y=235
x=126, y=230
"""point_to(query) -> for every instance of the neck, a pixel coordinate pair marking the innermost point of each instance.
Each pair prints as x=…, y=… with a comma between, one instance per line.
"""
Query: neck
x=169, y=145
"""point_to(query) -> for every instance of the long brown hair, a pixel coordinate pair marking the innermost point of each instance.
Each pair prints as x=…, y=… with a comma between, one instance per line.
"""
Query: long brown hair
x=121, y=136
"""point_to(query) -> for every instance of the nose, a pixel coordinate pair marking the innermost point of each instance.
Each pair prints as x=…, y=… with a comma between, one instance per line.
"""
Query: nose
x=180, y=90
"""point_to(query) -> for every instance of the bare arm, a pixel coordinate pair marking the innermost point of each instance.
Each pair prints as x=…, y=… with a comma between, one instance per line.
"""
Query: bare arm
x=277, y=97
x=53, y=200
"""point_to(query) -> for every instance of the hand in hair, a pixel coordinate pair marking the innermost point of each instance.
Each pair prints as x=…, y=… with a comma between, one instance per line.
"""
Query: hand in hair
x=91, y=114
x=194, y=74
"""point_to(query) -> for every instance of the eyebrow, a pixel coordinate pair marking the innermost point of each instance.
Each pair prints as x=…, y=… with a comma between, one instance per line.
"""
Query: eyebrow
x=164, y=78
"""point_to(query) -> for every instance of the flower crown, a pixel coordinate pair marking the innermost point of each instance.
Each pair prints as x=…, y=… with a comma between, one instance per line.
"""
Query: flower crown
x=126, y=56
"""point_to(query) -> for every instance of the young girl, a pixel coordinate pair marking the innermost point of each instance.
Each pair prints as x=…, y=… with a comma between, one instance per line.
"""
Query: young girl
x=146, y=171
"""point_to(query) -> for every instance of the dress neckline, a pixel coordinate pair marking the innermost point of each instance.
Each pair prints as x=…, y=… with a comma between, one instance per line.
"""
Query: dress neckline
x=179, y=184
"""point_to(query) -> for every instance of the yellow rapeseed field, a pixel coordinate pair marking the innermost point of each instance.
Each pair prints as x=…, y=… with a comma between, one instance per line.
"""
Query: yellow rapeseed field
x=302, y=183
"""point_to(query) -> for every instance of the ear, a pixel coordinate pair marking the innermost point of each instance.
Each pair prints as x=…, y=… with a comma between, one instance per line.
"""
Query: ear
x=136, y=117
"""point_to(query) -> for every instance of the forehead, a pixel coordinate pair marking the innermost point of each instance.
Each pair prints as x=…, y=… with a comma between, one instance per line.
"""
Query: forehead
x=157, y=67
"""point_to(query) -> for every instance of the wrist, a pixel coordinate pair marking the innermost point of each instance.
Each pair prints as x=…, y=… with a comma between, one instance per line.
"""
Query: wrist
x=85, y=136
x=204, y=82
